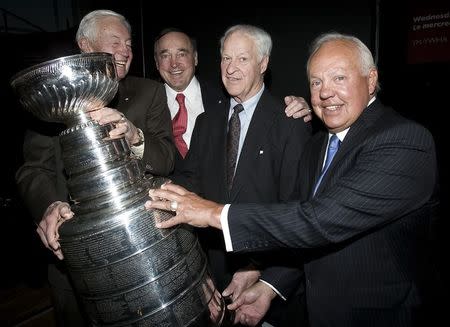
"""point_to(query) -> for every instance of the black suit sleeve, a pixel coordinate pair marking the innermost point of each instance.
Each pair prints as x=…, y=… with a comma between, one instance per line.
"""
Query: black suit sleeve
x=40, y=180
x=159, y=150
x=283, y=270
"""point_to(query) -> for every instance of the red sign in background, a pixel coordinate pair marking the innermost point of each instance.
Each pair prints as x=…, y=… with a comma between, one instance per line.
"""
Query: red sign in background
x=429, y=33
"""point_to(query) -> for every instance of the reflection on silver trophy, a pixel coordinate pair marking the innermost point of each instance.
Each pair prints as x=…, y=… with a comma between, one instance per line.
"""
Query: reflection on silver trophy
x=126, y=271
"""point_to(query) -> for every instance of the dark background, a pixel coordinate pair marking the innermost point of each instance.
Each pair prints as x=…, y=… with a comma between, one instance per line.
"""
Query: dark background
x=416, y=89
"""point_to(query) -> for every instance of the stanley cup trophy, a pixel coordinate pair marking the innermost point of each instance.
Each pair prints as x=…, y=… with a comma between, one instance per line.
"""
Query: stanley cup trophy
x=126, y=271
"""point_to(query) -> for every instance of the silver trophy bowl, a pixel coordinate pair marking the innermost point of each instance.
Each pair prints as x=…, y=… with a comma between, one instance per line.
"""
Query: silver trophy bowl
x=126, y=271
x=64, y=89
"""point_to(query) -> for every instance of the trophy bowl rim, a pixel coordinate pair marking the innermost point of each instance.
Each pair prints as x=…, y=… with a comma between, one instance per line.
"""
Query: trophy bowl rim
x=50, y=62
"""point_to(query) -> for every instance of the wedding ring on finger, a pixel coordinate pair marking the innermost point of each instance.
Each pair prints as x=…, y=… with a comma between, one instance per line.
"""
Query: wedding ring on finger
x=173, y=205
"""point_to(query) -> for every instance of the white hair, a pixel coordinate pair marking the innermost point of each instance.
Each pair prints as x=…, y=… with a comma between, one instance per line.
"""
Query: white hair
x=365, y=56
x=88, y=25
x=262, y=39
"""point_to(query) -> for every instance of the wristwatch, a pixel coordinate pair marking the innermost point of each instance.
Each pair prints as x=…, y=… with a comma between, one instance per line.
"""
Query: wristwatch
x=141, y=138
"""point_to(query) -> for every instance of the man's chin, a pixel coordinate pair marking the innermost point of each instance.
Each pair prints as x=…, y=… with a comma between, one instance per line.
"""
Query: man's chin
x=121, y=75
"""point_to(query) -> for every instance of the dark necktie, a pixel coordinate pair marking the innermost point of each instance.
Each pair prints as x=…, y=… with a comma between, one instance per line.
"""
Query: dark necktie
x=234, y=131
x=333, y=146
x=179, y=125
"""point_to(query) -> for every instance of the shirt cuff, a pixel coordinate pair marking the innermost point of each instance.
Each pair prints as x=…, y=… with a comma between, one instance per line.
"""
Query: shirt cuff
x=225, y=228
x=273, y=288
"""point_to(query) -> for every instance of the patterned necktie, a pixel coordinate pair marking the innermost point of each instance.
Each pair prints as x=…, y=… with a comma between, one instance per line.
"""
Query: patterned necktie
x=333, y=146
x=179, y=125
x=234, y=131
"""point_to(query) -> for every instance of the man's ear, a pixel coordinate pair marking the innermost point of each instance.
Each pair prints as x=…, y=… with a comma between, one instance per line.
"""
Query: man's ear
x=195, y=58
x=84, y=45
x=264, y=64
x=373, y=80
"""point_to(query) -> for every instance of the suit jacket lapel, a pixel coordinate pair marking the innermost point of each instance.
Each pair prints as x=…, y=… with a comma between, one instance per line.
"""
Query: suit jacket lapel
x=211, y=95
x=316, y=162
x=126, y=96
x=259, y=124
x=218, y=137
x=359, y=130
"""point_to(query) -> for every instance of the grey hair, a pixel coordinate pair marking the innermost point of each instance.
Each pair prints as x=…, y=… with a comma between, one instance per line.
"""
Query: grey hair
x=365, y=56
x=88, y=25
x=262, y=39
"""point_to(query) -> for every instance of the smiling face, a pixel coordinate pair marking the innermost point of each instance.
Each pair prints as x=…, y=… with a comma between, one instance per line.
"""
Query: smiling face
x=176, y=60
x=242, y=69
x=112, y=37
x=339, y=90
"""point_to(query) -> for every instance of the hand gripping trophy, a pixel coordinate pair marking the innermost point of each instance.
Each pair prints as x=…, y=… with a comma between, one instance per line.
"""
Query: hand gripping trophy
x=126, y=271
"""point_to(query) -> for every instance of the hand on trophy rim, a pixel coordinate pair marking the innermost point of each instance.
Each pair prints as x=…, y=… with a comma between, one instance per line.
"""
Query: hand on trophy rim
x=122, y=127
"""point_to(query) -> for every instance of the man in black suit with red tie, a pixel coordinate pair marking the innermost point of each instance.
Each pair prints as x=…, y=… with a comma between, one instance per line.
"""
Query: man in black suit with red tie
x=175, y=55
x=363, y=225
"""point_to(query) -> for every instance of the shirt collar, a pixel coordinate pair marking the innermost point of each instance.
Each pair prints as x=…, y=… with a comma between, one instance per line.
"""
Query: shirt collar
x=251, y=103
x=341, y=135
x=191, y=90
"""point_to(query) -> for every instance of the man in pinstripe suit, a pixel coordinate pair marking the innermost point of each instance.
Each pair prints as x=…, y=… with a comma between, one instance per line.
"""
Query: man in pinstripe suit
x=365, y=231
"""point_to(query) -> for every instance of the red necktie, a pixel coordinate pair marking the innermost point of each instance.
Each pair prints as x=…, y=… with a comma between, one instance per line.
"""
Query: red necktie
x=179, y=125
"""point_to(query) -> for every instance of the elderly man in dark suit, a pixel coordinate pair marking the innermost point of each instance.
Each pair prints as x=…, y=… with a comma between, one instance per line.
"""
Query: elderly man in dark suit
x=265, y=168
x=365, y=219
x=140, y=113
